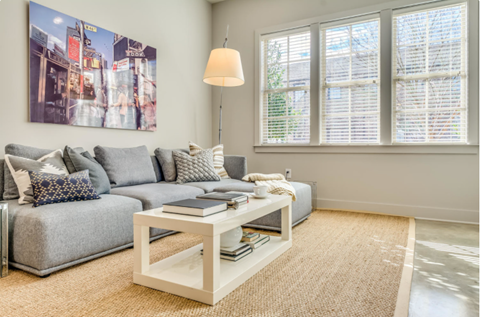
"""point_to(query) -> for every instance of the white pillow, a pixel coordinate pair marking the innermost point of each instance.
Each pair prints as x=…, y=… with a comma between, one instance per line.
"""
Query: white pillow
x=218, y=159
x=19, y=166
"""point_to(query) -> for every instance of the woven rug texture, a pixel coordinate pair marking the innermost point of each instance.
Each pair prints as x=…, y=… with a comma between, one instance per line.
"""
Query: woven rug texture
x=341, y=264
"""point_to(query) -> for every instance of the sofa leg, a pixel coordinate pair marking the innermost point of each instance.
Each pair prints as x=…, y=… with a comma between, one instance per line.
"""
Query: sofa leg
x=45, y=276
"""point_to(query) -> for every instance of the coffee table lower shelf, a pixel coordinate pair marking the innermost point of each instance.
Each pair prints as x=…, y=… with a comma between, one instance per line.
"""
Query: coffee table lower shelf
x=182, y=273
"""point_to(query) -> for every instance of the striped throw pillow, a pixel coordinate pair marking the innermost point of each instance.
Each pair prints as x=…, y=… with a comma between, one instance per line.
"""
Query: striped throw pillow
x=218, y=159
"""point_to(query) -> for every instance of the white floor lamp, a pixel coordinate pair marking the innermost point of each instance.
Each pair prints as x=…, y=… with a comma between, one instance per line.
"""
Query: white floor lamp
x=224, y=69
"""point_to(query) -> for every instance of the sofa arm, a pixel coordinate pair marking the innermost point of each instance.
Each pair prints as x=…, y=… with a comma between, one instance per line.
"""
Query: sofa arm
x=236, y=166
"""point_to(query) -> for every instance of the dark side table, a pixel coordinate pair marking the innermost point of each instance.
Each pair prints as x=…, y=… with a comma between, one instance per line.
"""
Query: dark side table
x=3, y=239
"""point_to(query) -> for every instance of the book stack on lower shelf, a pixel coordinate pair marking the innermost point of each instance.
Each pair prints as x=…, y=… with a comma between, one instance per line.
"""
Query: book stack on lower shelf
x=234, y=253
x=254, y=239
x=250, y=241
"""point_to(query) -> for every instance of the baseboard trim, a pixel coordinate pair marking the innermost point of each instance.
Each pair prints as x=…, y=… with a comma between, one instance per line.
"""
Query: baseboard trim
x=418, y=212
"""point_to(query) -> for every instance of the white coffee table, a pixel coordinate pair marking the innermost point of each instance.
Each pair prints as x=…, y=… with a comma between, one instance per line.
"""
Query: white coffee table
x=206, y=278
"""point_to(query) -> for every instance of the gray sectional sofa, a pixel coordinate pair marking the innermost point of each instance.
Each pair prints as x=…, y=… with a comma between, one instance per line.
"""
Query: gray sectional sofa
x=49, y=238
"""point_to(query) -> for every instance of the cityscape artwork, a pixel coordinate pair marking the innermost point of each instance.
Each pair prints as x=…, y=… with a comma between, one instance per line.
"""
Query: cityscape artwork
x=84, y=75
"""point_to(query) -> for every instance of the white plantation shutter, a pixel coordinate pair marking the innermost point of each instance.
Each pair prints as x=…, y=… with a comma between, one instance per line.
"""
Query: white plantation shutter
x=430, y=76
x=350, y=94
x=285, y=88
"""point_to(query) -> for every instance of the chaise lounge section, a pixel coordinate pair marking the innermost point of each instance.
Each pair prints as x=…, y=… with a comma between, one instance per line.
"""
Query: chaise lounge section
x=49, y=238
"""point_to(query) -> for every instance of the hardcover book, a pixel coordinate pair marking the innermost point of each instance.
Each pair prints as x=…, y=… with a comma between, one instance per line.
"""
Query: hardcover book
x=228, y=197
x=195, y=207
x=250, y=236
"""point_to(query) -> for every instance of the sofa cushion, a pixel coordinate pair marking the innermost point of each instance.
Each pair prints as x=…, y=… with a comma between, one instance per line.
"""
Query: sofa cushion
x=238, y=186
x=53, y=189
x=156, y=168
x=167, y=163
x=10, y=190
x=2, y=174
x=209, y=187
x=126, y=167
x=52, y=235
x=155, y=195
x=19, y=167
x=80, y=161
x=198, y=168
x=66, y=158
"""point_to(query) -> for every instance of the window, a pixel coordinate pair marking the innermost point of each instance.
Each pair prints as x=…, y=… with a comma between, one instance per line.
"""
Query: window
x=430, y=79
x=350, y=94
x=285, y=88
x=381, y=79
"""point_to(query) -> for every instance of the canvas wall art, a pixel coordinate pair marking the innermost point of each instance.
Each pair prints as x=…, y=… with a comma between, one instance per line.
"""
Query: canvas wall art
x=83, y=75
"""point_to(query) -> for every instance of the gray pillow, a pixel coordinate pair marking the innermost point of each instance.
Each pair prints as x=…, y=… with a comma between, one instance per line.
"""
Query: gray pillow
x=165, y=158
x=126, y=167
x=19, y=167
x=10, y=190
x=68, y=161
x=84, y=161
x=156, y=168
x=198, y=168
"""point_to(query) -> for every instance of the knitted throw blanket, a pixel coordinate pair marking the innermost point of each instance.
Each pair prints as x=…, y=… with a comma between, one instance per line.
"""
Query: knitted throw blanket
x=276, y=183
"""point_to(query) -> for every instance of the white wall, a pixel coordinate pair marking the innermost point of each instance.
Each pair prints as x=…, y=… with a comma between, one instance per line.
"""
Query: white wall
x=180, y=30
x=434, y=186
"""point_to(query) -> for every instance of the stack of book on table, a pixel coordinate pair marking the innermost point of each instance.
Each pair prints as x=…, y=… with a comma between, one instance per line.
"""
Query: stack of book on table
x=233, y=200
x=254, y=239
x=195, y=207
x=234, y=253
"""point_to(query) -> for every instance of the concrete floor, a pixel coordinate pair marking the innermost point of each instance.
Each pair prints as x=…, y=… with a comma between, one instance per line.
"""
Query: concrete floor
x=446, y=266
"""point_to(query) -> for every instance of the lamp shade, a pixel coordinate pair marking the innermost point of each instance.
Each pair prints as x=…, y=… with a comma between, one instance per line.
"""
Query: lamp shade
x=224, y=68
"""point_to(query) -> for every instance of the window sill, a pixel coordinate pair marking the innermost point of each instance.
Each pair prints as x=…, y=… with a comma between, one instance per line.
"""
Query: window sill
x=368, y=149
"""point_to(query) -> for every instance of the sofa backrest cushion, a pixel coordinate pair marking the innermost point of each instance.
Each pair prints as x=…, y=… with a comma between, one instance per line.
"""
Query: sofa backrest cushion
x=126, y=167
x=10, y=189
x=80, y=161
x=165, y=158
x=68, y=162
x=2, y=175
x=157, y=168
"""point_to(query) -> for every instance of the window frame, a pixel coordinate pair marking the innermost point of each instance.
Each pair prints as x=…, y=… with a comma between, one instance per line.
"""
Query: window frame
x=263, y=79
x=427, y=75
x=348, y=83
x=386, y=21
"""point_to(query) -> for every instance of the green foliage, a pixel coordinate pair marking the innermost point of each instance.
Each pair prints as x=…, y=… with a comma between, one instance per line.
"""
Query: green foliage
x=278, y=103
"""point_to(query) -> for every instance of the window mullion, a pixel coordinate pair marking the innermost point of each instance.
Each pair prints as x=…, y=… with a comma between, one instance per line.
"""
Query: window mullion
x=350, y=88
x=427, y=82
x=386, y=59
x=315, y=107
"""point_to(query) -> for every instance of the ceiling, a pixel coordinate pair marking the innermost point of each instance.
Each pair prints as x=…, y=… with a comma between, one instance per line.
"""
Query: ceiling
x=214, y=1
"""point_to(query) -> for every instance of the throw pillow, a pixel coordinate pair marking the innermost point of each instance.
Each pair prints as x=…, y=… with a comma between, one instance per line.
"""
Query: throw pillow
x=54, y=189
x=84, y=161
x=10, y=190
x=198, y=168
x=218, y=159
x=126, y=167
x=165, y=158
x=19, y=166
x=68, y=161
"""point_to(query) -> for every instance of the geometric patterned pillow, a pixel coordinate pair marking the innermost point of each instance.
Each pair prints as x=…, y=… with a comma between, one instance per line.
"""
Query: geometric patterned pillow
x=53, y=189
x=198, y=168
x=218, y=158
x=19, y=166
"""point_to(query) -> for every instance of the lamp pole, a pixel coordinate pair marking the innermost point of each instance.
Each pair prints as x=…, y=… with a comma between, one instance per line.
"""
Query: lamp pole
x=221, y=98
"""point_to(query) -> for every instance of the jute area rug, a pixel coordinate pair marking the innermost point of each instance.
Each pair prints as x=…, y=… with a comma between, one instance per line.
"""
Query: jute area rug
x=341, y=264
